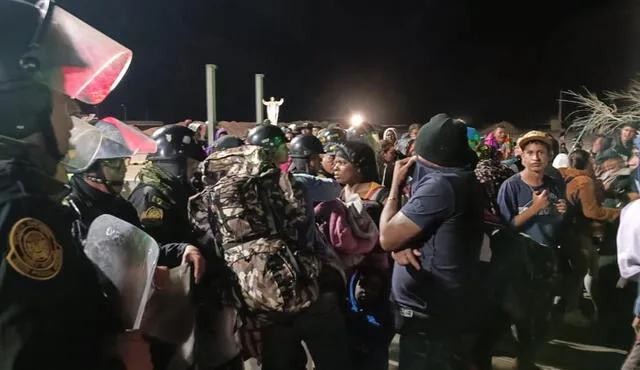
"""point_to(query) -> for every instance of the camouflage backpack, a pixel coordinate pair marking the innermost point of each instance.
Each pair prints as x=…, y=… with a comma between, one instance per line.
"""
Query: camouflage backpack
x=254, y=213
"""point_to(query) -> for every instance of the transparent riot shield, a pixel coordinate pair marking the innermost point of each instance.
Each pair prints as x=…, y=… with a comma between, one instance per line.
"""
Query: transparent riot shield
x=127, y=256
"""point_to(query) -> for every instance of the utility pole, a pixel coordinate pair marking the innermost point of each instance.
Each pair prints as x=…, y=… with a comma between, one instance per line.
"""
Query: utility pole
x=212, y=118
x=259, y=98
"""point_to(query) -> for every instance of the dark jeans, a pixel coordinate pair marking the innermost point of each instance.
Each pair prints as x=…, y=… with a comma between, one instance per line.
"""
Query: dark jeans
x=375, y=358
x=369, y=343
x=426, y=344
x=323, y=330
x=420, y=351
x=532, y=328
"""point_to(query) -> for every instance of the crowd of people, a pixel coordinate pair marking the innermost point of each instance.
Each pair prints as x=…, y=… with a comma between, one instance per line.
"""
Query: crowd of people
x=292, y=240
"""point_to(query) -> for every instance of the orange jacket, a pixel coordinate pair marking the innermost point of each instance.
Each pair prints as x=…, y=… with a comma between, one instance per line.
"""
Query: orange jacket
x=581, y=192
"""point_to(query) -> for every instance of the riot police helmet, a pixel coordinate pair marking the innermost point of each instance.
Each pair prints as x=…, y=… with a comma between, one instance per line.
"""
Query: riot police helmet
x=269, y=137
x=304, y=146
x=48, y=56
x=227, y=142
x=333, y=135
x=175, y=143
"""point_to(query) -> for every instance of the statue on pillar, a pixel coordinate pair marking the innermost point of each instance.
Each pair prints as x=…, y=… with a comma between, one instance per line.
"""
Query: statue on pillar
x=273, y=108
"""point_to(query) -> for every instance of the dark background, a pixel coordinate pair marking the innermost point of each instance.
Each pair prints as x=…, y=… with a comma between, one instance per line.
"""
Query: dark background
x=396, y=62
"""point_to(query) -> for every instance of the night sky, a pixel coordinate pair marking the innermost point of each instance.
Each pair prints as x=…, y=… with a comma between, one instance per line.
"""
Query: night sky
x=395, y=61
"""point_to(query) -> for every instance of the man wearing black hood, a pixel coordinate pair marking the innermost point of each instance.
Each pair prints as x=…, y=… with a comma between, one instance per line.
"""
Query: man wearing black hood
x=433, y=285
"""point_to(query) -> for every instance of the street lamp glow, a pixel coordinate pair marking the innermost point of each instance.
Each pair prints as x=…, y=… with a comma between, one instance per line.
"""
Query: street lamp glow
x=356, y=120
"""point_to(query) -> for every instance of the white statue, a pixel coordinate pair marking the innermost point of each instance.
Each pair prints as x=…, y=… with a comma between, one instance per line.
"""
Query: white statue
x=273, y=108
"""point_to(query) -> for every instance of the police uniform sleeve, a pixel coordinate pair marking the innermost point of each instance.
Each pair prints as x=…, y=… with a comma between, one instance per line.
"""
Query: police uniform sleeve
x=52, y=311
x=153, y=211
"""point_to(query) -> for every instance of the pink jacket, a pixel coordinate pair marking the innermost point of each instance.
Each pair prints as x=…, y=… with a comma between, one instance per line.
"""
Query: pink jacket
x=285, y=166
x=352, y=235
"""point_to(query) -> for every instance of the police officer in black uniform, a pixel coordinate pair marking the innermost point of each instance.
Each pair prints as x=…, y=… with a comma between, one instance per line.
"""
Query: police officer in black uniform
x=330, y=138
x=164, y=187
x=53, y=314
x=305, y=151
x=161, y=197
x=98, y=180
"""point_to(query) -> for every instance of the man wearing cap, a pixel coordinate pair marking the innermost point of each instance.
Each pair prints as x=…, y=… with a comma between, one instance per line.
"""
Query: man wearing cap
x=436, y=238
x=533, y=204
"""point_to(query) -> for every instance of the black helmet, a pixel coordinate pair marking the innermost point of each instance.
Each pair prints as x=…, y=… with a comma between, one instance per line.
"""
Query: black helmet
x=176, y=142
x=227, y=142
x=39, y=55
x=285, y=130
x=330, y=138
x=333, y=135
x=304, y=146
x=306, y=125
x=267, y=136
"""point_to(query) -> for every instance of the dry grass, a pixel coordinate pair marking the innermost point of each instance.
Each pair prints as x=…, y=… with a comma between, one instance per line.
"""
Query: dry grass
x=604, y=115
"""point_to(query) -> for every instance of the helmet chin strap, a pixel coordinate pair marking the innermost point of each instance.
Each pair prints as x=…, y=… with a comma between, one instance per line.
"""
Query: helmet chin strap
x=97, y=176
x=302, y=164
x=107, y=183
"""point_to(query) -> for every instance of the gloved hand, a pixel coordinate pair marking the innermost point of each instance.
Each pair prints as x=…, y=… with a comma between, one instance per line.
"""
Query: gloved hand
x=133, y=351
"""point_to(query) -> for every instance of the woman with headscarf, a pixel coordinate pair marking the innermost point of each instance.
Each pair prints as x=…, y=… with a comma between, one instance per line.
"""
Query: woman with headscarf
x=371, y=331
x=355, y=168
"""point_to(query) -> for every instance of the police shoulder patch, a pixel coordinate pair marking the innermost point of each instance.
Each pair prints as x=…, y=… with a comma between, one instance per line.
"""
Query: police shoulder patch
x=158, y=201
x=153, y=213
x=33, y=250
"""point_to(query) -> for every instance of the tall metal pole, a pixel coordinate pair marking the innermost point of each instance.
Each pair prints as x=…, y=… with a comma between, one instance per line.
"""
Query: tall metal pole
x=212, y=118
x=259, y=97
x=560, y=108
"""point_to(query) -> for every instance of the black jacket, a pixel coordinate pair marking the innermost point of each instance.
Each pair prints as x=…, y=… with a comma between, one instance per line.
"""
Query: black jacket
x=53, y=314
x=161, y=201
x=89, y=203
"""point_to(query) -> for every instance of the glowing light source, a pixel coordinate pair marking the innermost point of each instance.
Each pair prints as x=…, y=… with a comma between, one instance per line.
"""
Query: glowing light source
x=356, y=120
